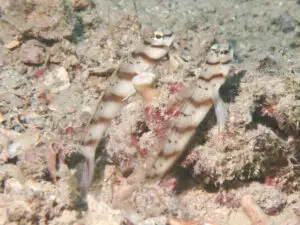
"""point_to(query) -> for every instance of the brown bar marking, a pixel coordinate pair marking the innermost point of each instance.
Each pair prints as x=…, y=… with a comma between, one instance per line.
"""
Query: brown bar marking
x=91, y=142
x=214, y=76
x=126, y=75
x=212, y=64
x=113, y=98
x=168, y=35
x=171, y=155
x=157, y=46
x=145, y=57
x=197, y=104
x=227, y=62
x=101, y=119
x=182, y=130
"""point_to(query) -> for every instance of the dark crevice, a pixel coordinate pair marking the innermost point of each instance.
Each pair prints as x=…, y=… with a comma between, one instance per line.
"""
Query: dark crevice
x=13, y=160
x=78, y=31
x=29, y=35
x=73, y=159
x=261, y=117
x=47, y=42
x=47, y=176
x=230, y=89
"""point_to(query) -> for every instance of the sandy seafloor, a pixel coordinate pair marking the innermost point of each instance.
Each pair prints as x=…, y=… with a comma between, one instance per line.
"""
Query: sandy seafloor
x=49, y=52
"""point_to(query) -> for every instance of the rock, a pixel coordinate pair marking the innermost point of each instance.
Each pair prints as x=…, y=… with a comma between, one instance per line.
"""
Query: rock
x=174, y=221
x=87, y=20
x=32, y=52
x=33, y=118
x=238, y=217
x=67, y=217
x=297, y=30
x=3, y=216
x=69, y=99
x=71, y=61
x=22, y=143
x=80, y=4
x=11, y=171
x=57, y=80
x=271, y=200
x=11, y=79
x=254, y=212
x=13, y=101
x=102, y=71
x=101, y=213
x=267, y=63
x=285, y=23
x=1, y=118
x=161, y=220
x=20, y=212
x=149, y=202
x=13, y=186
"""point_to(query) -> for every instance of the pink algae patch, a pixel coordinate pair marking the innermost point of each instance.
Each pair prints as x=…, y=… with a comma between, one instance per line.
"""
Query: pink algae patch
x=39, y=73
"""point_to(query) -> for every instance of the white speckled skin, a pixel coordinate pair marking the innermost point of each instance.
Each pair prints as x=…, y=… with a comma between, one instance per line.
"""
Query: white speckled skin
x=143, y=59
x=144, y=78
x=205, y=95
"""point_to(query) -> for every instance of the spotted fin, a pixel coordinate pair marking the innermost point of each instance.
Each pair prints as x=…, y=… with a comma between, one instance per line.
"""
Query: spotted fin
x=221, y=111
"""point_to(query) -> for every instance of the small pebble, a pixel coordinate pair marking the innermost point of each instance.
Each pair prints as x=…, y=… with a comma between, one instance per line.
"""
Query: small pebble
x=32, y=118
x=58, y=80
x=69, y=130
x=13, y=186
x=13, y=44
x=23, y=142
x=39, y=73
x=32, y=53
x=80, y=4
